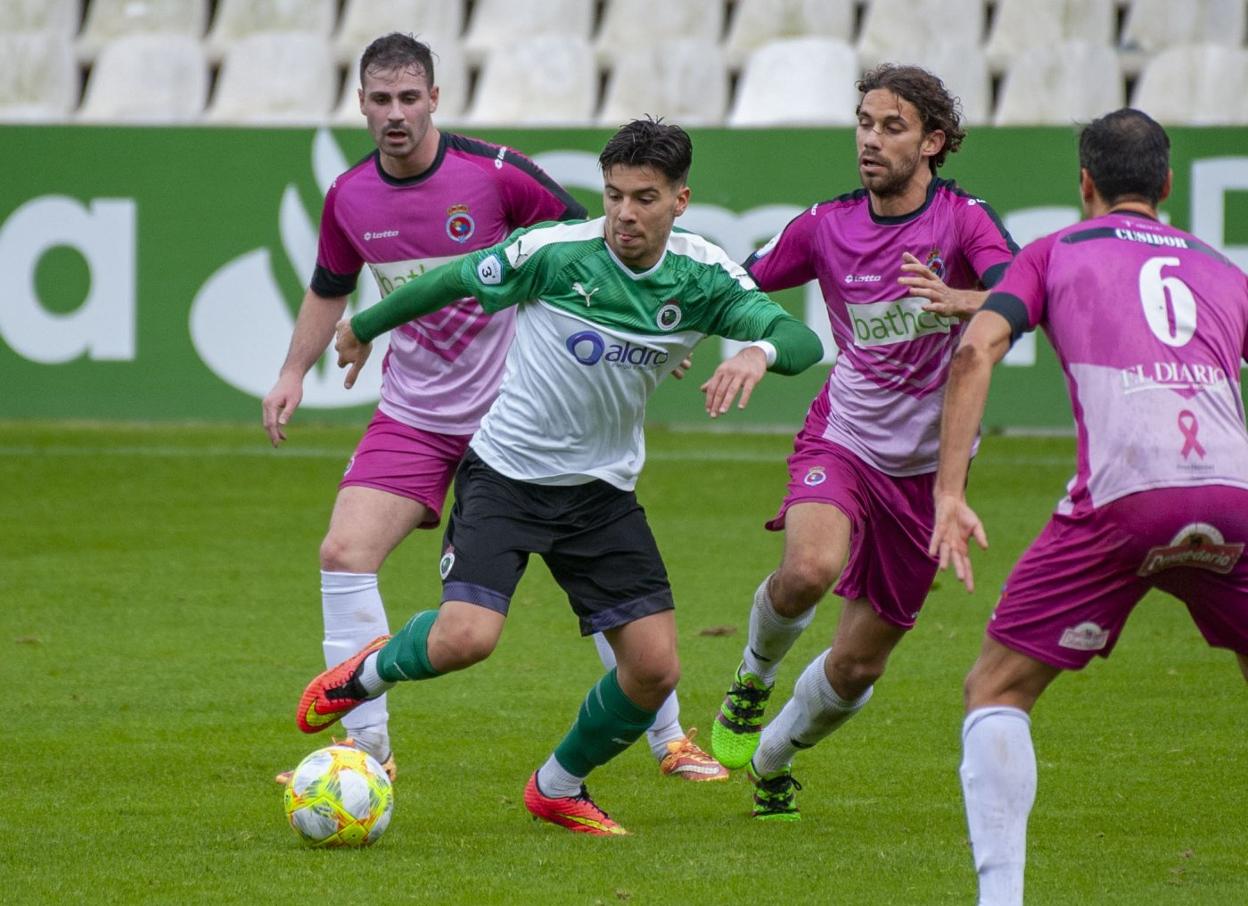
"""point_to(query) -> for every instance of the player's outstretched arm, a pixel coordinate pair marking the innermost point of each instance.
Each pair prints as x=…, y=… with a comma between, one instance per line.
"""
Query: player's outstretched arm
x=787, y=347
x=314, y=328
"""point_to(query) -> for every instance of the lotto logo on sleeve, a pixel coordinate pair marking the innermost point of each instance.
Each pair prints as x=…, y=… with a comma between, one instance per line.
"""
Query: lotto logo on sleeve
x=490, y=270
x=898, y=321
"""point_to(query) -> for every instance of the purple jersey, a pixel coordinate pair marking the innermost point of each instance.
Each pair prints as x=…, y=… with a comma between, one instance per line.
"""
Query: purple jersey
x=1149, y=324
x=885, y=391
x=442, y=371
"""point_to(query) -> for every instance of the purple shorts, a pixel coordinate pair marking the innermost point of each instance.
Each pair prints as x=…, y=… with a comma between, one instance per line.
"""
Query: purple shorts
x=892, y=522
x=1070, y=594
x=408, y=462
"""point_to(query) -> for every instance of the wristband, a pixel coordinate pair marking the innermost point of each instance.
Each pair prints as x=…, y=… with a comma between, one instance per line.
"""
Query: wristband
x=768, y=348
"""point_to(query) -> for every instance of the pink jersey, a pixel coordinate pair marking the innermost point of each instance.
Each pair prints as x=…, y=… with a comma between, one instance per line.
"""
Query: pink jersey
x=885, y=391
x=442, y=371
x=1149, y=324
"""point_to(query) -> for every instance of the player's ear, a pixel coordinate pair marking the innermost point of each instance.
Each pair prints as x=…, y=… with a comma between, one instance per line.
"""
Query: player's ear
x=433, y=98
x=932, y=143
x=1087, y=188
x=1166, y=187
x=682, y=199
x=359, y=93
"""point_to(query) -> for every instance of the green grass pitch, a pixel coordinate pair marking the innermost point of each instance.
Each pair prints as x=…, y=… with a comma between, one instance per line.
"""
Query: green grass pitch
x=160, y=615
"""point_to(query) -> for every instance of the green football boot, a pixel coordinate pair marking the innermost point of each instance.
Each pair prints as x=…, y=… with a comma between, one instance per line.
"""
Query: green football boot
x=739, y=723
x=775, y=795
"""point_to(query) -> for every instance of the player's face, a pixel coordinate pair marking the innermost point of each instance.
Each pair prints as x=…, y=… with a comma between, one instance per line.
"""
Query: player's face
x=891, y=143
x=398, y=104
x=641, y=205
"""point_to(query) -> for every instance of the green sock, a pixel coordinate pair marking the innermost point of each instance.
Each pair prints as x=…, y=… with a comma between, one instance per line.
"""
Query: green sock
x=406, y=656
x=607, y=724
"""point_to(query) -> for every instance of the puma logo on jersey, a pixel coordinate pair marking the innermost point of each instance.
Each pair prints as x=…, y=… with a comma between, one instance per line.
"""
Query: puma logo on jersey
x=584, y=293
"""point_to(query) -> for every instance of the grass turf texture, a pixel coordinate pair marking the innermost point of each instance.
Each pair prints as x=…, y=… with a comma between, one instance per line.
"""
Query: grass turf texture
x=161, y=615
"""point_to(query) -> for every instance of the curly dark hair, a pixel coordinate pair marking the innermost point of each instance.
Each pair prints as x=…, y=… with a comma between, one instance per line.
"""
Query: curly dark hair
x=650, y=142
x=397, y=51
x=938, y=109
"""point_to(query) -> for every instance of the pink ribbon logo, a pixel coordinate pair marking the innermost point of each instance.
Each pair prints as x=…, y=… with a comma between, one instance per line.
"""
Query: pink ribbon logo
x=1187, y=424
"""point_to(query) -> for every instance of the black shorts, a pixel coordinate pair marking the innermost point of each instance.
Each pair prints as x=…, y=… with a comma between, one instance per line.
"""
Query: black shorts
x=594, y=538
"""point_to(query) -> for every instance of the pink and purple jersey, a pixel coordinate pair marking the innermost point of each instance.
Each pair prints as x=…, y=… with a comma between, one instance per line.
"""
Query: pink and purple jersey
x=442, y=371
x=1150, y=325
x=885, y=391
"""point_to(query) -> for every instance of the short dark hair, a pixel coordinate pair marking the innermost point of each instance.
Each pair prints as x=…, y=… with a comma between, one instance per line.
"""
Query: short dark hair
x=650, y=142
x=938, y=108
x=397, y=51
x=1127, y=155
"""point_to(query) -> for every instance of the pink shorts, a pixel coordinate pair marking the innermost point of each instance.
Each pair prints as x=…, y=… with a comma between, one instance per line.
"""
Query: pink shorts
x=409, y=462
x=892, y=523
x=1070, y=594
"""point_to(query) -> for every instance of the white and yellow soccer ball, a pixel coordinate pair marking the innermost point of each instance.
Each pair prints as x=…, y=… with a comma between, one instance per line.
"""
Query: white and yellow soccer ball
x=339, y=796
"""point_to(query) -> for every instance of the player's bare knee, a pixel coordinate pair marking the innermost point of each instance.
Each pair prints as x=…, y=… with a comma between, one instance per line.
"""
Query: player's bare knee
x=340, y=555
x=801, y=583
x=461, y=643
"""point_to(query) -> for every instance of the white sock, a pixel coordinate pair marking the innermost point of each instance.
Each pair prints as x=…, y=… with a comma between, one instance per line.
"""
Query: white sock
x=814, y=711
x=555, y=781
x=999, y=786
x=354, y=616
x=771, y=635
x=666, y=727
x=370, y=679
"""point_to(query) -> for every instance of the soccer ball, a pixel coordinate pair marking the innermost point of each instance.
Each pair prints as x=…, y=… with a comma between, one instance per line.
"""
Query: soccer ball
x=339, y=796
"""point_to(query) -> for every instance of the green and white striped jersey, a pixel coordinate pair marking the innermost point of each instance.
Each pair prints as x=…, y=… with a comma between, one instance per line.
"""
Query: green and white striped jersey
x=593, y=340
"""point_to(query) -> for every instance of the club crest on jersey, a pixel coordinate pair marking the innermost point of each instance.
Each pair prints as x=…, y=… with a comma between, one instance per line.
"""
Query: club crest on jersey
x=935, y=263
x=459, y=223
x=447, y=561
x=815, y=476
x=1199, y=545
x=669, y=315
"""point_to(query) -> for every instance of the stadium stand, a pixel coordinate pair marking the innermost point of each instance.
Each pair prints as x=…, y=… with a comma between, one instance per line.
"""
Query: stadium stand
x=893, y=30
x=364, y=20
x=237, y=19
x=147, y=78
x=275, y=78
x=1195, y=84
x=684, y=80
x=546, y=81
x=797, y=81
x=755, y=22
x=450, y=69
x=60, y=17
x=497, y=23
x=1019, y=24
x=963, y=67
x=631, y=24
x=109, y=19
x=1151, y=26
x=1064, y=83
x=38, y=77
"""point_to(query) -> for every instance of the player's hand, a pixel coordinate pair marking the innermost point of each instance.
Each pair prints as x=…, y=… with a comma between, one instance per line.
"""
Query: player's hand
x=955, y=523
x=280, y=404
x=739, y=374
x=941, y=299
x=350, y=351
x=685, y=364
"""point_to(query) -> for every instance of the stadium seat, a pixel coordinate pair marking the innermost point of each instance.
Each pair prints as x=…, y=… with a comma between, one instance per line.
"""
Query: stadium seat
x=1060, y=84
x=154, y=78
x=450, y=74
x=798, y=82
x=755, y=22
x=498, y=23
x=38, y=77
x=1153, y=25
x=58, y=17
x=364, y=20
x=544, y=81
x=275, y=78
x=629, y=25
x=109, y=19
x=964, y=70
x=1195, y=85
x=237, y=19
x=1019, y=24
x=892, y=29
x=685, y=81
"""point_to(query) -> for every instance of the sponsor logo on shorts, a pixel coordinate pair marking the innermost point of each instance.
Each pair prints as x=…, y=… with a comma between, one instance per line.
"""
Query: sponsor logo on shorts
x=1085, y=637
x=459, y=223
x=347, y=470
x=447, y=561
x=898, y=321
x=589, y=348
x=490, y=270
x=1199, y=545
x=815, y=476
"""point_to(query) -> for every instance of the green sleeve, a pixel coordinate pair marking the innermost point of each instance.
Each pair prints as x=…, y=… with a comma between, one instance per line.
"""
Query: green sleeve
x=425, y=294
x=797, y=346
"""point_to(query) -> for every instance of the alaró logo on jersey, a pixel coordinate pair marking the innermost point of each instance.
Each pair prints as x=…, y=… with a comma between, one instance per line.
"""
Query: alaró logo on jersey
x=589, y=348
